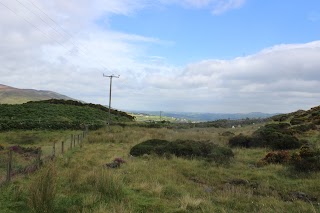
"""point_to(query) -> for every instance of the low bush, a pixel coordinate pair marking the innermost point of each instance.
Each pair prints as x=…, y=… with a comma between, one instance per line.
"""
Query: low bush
x=279, y=141
x=227, y=134
x=184, y=148
x=296, y=121
x=278, y=157
x=280, y=118
x=305, y=127
x=276, y=136
x=148, y=147
x=240, y=141
x=307, y=159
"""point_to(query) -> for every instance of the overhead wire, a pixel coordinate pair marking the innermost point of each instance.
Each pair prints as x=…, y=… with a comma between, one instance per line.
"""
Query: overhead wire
x=69, y=37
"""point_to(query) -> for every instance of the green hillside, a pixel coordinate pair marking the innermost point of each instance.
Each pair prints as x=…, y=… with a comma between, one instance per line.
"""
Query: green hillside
x=56, y=114
x=300, y=117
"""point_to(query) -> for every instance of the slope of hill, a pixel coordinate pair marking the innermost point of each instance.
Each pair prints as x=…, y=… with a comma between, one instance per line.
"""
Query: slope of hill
x=11, y=95
x=300, y=117
x=60, y=114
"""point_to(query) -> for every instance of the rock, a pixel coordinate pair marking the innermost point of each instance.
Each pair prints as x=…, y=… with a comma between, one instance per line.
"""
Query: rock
x=116, y=163
x=113, y=165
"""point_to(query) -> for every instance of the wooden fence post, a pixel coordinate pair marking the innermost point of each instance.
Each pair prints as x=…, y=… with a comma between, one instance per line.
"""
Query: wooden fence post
x=62, y=147
x=9, y=166
x=54, y=149
x=78, y=139
x=74, y=141
x=71, y=141
x=39, y=158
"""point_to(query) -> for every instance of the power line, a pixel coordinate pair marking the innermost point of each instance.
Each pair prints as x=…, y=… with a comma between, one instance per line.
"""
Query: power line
x=47, y=34
x=69, y=36
x=66, y=32
x=40, y=18
x=29, y=22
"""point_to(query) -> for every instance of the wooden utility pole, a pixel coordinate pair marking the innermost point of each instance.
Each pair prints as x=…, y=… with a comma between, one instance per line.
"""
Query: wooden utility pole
x=110, y=76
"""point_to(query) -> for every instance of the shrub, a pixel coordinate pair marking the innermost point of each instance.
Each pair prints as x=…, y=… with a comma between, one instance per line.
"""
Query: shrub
x=280, y=118
x=220, y=155
x=305, y=127
x=280, y=141
x=307, y=159
x=276, y=136
x=148, y=147
x=296, y=121
x=227, y=134
x=240, y=141
x=279, y=157
x=184, y=148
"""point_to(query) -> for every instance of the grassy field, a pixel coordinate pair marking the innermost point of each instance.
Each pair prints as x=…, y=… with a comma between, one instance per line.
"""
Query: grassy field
x=79, y=181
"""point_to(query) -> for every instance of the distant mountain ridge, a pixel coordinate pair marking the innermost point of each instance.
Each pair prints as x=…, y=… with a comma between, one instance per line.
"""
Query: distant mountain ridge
x=11, y=95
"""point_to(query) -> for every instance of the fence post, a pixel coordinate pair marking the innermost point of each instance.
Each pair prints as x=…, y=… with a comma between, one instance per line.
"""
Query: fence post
x=39, y=158
x=62, y=147
x=87, y=129
x=71, y=141
x=78, y=139
x=74, y=141
x=9, y=166
x=54, y=149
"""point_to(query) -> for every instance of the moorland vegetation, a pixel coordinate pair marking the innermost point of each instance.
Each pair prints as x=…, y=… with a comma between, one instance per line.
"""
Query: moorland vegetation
x=261, y=167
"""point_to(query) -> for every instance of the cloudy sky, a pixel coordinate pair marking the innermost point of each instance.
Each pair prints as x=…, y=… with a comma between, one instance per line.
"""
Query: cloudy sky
x=172, y=55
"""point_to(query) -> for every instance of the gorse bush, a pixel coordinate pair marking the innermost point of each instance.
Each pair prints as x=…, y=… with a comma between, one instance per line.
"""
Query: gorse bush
x=184, y=148
x=241, y=141
x=305, y=127
x=307, y=159
x=279, y=157
x=275, y=136
x=150, y=146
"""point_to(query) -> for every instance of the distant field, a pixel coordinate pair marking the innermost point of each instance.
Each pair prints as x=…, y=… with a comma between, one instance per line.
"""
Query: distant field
x=143, y=117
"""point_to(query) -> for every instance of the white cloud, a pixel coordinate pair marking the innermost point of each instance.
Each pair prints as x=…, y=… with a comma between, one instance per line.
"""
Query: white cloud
x=280, y=78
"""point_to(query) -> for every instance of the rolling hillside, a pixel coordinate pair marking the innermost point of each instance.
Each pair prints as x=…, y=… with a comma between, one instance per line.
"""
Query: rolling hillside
x=11, y=95
x=301, y=116
x=56, y=114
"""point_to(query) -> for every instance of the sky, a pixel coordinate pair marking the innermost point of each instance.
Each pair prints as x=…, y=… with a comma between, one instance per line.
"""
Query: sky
x=218, y=56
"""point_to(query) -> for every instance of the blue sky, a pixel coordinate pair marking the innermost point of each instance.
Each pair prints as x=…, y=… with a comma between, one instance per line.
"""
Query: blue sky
x=195, y=33
x=172, y=55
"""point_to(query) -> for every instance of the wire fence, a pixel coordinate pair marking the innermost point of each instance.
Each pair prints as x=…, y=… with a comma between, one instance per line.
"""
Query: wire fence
x=17, y=160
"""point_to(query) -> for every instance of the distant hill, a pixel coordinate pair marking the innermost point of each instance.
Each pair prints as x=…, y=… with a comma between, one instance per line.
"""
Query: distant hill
x=56, y=114
x=11, y=95
x=202, y=117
